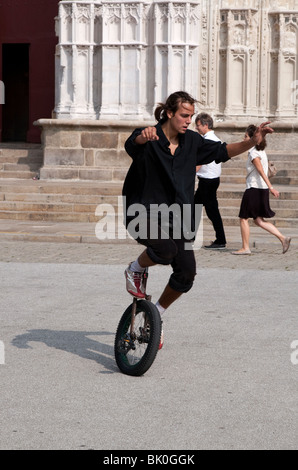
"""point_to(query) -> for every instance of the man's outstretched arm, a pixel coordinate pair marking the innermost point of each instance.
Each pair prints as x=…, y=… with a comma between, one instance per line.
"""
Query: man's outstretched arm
x=241, y=147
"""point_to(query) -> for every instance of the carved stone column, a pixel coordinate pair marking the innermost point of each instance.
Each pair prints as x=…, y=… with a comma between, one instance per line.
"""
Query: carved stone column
x=238, y=46
x=116, y=59
x=285, y=28
x=175, y=45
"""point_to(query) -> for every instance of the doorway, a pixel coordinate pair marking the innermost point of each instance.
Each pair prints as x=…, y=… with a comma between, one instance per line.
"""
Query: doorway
x=15, y=73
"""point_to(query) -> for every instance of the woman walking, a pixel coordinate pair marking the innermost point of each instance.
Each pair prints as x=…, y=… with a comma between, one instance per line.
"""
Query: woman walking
x=255, y=200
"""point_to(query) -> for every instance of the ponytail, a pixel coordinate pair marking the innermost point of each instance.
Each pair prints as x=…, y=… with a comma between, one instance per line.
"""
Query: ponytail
x=159, y=112
x=172, y=105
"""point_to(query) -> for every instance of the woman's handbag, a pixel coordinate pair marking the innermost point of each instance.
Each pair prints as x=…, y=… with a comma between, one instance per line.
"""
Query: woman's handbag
x=272, y=170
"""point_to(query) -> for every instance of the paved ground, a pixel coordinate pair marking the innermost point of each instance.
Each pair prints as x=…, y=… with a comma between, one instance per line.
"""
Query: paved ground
x=77, y=243
x=226, y=378
x=265, y=257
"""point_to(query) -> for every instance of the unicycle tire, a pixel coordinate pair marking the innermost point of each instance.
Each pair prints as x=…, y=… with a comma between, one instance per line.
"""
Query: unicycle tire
x=135, y=353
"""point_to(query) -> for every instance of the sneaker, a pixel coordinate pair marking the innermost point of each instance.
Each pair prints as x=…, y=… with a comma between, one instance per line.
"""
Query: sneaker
x=134, y=283
x=161, y=338
x=215, y=246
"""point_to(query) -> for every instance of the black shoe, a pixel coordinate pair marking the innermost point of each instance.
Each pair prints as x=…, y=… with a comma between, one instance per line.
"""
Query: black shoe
x=215, y=246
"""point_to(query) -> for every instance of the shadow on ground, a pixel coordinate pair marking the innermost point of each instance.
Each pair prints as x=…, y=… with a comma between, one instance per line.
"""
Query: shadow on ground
x=80, y=343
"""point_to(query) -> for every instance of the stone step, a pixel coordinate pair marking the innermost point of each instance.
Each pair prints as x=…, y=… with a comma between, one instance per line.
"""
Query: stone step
x=46, y=207
x=59, y=198
x=83, y=173
x=20, y=167
x=278, y=156
x=274, y=203
x=49, y=216
x=92, y=218
x=235, y=191
x=21, y=148
x=287, y=168
x=72, y=201
x=229, y=175
x=234, y=221
x=24, y=174
x=20, y=161
x=36, y=158
x=90, y=208
x=102, y=188
x=87, y=213
x=282, y=213
x=284, y=180
x=96, y=199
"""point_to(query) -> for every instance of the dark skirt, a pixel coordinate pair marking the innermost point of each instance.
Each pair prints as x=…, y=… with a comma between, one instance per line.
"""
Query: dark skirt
x=255, y=203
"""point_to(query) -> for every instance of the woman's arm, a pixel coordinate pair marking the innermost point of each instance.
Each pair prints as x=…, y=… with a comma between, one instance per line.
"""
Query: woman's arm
x=258, y=164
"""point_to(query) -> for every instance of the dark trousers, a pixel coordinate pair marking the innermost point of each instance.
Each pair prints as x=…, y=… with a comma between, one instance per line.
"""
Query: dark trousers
x=206, y=195
x=166, y=250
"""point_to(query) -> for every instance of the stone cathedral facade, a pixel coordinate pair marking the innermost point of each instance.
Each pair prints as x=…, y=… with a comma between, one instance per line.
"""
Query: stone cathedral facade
x=116, y=59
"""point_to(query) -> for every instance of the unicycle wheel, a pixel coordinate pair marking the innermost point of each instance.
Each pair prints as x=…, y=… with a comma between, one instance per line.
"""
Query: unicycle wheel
x=135, y=350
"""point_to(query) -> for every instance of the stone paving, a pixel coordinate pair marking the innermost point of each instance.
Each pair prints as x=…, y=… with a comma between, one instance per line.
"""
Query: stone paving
x=225, y=379
x=264, y=256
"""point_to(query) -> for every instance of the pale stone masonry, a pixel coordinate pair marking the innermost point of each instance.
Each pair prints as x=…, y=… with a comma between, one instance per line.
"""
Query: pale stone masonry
x=94, y=149
x=84, y=149
x=115, y=60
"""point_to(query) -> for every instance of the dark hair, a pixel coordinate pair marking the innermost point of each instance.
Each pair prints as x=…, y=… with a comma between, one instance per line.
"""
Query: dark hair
x=250, y=132
x=172, y=105
x=205, y=119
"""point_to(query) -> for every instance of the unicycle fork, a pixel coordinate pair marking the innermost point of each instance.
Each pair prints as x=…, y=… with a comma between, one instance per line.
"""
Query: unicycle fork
x=135, y=301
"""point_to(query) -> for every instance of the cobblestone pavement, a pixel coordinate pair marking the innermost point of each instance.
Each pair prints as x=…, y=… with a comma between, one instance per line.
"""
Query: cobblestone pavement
x=264, y=257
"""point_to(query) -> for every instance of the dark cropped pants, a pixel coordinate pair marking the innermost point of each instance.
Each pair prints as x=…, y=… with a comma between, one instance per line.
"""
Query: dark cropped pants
x=165, y=250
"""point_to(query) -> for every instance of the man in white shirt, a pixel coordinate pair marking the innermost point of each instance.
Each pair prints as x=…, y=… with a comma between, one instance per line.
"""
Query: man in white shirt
x=209, y=180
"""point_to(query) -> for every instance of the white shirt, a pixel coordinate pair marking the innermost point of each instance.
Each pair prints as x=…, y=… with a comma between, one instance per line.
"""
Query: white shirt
x=254, y=179
x=211, y=170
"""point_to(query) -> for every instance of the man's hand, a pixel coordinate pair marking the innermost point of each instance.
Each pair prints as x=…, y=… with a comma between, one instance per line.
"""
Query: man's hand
x=261, y=132
x=147, y=134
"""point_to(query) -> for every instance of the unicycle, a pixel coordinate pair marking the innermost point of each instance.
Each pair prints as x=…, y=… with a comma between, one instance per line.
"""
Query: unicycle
x=138, y=336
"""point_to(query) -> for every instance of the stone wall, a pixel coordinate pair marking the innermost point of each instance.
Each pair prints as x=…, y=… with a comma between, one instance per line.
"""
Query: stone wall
x=86, y=150
x=117, y=59
x=94, y=150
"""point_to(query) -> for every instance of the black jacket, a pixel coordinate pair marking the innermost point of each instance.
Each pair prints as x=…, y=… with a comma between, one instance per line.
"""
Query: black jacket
x=157, y=177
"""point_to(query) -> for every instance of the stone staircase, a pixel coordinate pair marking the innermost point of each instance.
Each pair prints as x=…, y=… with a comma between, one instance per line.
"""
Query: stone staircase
x=20, y=160
x=65, y=200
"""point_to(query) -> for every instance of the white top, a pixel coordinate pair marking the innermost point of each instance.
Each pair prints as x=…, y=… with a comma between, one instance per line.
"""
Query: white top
x=211, y=170
x=254, y=179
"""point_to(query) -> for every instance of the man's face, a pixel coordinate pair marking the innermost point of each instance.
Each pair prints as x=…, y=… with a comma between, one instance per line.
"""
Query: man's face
x=202, y=129
x=182, y=118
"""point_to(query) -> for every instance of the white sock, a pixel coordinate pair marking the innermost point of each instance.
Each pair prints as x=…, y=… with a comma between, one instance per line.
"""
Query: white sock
x=135, y=267
x=160, y=308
